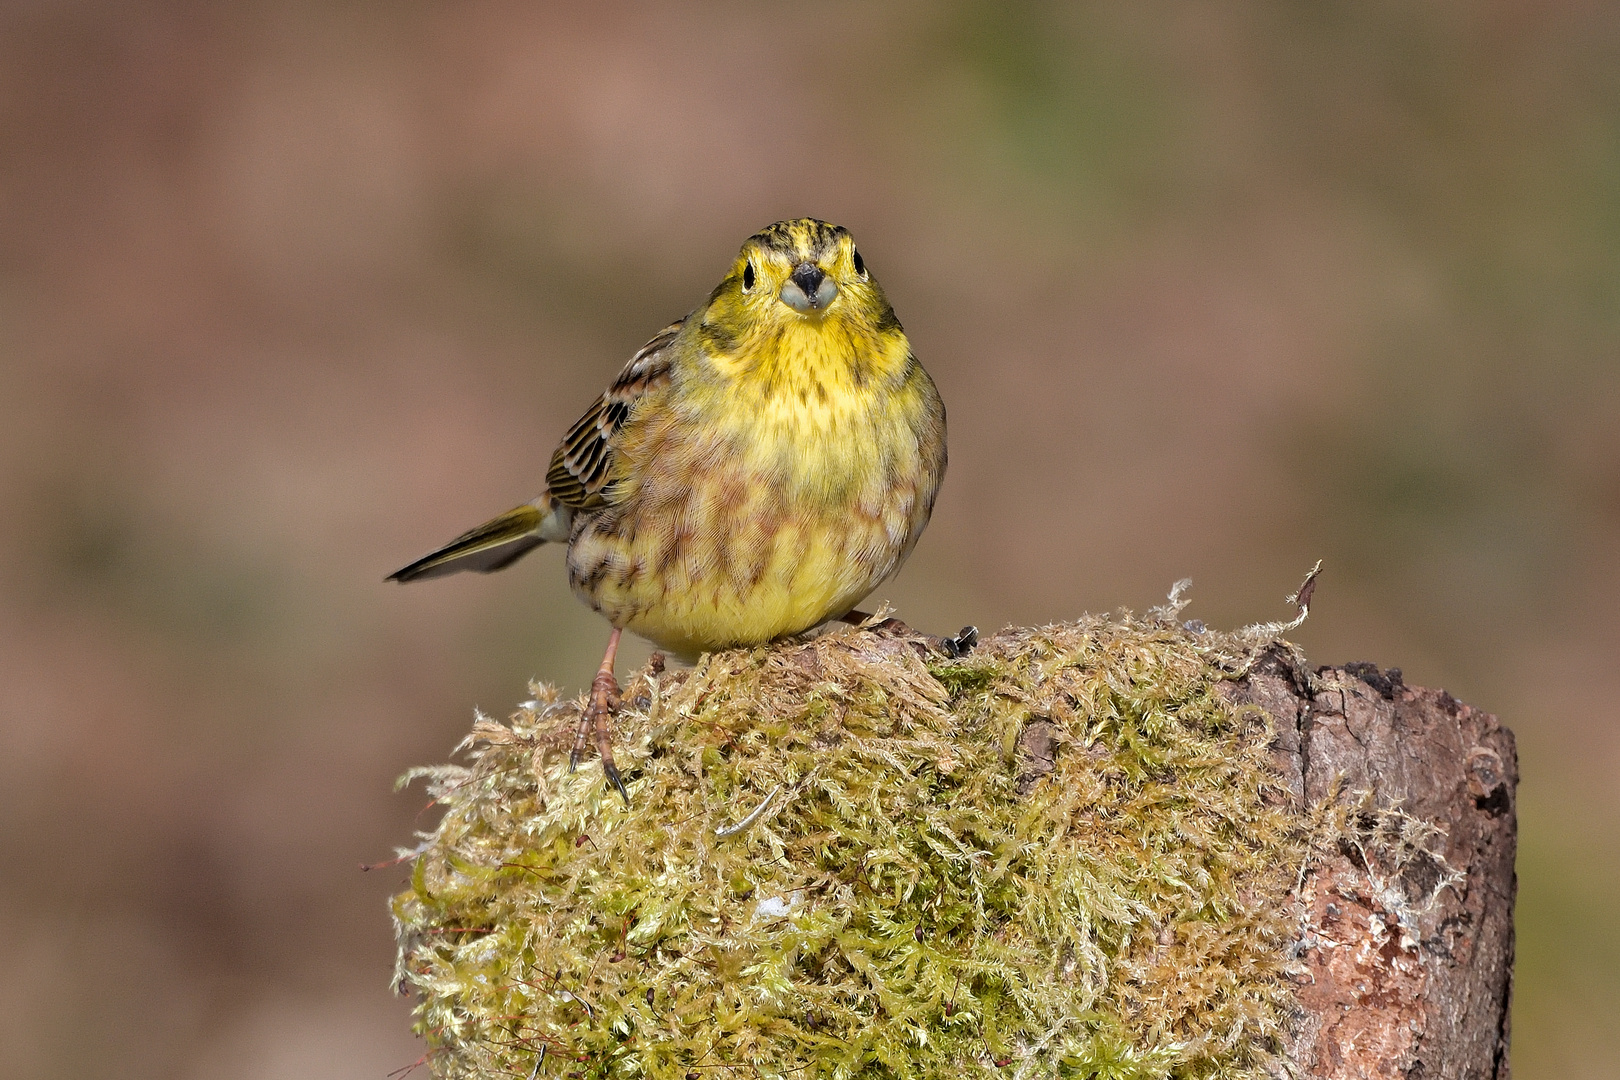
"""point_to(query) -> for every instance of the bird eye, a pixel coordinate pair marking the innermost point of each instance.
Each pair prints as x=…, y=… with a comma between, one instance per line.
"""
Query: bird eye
x=748, y=277
x=860, y=264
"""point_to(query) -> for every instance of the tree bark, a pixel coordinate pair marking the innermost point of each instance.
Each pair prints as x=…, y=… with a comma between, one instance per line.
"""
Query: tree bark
x=1407, y=910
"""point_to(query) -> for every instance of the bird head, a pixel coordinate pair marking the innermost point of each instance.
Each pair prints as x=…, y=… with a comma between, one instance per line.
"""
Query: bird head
x=795, y=273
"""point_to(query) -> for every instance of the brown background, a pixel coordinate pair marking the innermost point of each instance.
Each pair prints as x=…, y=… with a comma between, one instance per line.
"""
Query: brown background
x=291, y=292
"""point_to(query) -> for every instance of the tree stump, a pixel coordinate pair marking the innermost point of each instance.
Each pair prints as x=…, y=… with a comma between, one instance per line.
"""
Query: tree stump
x=1117, y=849
x=1409, y=960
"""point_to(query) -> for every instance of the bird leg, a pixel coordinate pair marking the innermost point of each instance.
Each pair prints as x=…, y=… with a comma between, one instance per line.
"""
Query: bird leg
x=595, y=719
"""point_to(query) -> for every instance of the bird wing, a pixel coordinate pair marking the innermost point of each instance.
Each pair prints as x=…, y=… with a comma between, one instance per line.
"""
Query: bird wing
x=583, y=464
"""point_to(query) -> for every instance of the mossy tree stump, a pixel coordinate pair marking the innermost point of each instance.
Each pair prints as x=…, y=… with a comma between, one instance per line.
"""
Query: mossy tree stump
x=1113, y=848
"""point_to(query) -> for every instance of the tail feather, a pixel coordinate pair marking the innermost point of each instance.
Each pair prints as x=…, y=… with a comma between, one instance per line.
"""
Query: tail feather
x=494, y=545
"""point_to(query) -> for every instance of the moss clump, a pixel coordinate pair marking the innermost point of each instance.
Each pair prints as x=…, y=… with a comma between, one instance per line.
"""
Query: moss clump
x=840, y=862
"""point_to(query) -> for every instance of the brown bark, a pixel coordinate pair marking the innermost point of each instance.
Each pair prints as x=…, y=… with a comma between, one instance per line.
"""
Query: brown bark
x=1407, y=930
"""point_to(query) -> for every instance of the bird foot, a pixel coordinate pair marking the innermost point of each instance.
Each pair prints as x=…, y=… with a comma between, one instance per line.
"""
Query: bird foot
x=597, y=720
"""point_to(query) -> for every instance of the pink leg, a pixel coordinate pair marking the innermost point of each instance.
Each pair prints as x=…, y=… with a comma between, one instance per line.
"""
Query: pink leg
x=604, y=700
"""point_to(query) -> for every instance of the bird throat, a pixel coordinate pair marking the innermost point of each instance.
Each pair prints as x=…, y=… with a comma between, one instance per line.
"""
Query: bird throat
x=813, y=372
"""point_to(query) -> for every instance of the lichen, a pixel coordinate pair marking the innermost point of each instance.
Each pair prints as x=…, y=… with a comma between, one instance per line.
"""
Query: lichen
x=836, y=864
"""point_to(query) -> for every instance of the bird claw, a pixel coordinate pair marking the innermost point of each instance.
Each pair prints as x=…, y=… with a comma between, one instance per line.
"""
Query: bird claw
x=612, y=772
x=962, y=644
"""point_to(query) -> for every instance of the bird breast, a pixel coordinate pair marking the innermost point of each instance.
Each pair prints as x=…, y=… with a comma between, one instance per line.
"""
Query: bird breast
x=747, y=524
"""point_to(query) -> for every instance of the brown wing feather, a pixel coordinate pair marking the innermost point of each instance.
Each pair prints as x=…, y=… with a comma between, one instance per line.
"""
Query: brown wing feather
x=583, y=463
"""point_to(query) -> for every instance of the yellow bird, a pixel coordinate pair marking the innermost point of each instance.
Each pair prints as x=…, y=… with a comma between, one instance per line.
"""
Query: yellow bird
x=758, y=468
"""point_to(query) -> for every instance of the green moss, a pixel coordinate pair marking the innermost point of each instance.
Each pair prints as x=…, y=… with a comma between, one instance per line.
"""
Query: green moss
x=963, y=677
x=832, y=868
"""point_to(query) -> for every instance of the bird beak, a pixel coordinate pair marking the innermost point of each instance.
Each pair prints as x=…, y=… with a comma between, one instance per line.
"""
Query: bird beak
x=809, y=289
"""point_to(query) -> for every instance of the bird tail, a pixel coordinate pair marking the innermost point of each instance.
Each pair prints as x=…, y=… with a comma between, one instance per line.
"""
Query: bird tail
x=496, y=544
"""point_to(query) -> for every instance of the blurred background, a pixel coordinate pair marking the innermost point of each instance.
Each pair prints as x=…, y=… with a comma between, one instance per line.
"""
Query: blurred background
x=292, y=292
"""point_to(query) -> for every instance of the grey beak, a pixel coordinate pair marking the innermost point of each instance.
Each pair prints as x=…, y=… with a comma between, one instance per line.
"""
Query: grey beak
x=809, y=289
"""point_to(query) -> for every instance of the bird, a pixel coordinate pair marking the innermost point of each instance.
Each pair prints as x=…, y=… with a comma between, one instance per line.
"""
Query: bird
x=756, y=469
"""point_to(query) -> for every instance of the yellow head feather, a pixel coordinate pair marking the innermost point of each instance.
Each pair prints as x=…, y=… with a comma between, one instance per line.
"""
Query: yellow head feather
x=760, y=323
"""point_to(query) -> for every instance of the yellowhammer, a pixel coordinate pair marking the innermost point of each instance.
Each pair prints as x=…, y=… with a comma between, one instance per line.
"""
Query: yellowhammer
x=757, y=468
